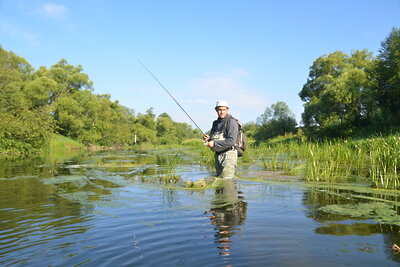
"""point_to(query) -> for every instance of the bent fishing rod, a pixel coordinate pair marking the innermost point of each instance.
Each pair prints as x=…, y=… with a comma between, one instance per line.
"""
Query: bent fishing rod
x=155, y=78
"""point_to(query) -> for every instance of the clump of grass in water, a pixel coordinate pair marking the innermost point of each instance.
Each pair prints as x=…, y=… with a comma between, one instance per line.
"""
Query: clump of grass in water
x=169, y=162
x=162, y=179
x=202, y=183
x=280, y=157
x=169, y=179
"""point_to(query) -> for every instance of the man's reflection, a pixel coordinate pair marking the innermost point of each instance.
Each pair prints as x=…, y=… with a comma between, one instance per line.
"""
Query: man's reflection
x=228, y=211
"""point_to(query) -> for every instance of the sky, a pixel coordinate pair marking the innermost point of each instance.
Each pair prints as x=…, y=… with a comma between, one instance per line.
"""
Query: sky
x=251, y=53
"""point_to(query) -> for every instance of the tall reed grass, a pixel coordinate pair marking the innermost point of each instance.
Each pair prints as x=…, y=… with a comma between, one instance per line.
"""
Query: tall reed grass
x=376, y=159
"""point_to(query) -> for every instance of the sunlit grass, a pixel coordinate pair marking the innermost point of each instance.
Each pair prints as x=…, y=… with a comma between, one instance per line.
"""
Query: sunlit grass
x=376, y=159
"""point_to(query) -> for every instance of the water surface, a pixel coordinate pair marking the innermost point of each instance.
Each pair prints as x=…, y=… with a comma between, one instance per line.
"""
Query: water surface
x=102, y=211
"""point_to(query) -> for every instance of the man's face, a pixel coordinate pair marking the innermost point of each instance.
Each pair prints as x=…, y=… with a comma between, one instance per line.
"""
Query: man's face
x=222, y=111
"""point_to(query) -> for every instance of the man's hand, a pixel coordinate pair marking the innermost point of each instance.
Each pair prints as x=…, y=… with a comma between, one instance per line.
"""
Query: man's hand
x=210, y=144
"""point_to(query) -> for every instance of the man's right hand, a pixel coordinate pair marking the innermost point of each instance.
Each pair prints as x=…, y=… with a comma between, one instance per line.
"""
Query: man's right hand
x=206, y=137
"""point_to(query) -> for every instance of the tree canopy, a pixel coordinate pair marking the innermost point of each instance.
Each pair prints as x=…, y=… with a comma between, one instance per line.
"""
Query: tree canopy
x=60, y=99
x=346, y=94
x=276, y=120
x=334, y=93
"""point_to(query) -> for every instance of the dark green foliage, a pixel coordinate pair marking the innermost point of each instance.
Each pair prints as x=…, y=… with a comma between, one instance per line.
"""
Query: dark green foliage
x=24, y=123
x=386, y=87
x=335, y=94
x=276, y=120
x=34, y=104
x=348, y=95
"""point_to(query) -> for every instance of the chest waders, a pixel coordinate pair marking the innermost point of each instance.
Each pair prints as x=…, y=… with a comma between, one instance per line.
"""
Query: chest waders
x=225, y=161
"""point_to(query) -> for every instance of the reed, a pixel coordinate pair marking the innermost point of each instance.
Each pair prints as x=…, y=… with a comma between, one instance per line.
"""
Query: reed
x=384, y=154
x=375, y=159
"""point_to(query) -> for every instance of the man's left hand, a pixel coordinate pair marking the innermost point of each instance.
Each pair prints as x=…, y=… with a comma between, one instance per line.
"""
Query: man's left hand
x=210, y=144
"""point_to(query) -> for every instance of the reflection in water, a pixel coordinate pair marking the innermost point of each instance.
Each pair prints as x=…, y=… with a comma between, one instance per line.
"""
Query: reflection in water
x=355, y=228
x=33, y=215
x=46, y=207
x=228, y=211
x=348, y=212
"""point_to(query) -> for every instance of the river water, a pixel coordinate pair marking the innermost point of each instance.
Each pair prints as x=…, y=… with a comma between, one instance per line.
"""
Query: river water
x=100, y=210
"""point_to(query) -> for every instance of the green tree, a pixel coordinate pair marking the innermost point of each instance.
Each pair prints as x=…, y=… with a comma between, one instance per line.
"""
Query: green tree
x=148, y=119
x=144, y=134
x=250, y=129
x=116, y=123
x=66, y=89
x=164, y=126
x=335, y=93
x=33, y=104
x=184, y=131
x=69, y=78
x=23, y=127
x=386, y=87
x=38, y=91
x=276, y=120
x=15, y=71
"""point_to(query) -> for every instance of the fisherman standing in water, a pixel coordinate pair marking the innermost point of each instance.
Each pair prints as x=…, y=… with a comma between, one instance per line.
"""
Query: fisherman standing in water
x=222, y=141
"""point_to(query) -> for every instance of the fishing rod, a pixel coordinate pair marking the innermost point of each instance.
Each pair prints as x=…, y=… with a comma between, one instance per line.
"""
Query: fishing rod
x=155, y=78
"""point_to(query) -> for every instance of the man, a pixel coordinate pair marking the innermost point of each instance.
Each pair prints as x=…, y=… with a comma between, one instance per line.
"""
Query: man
x=222, y=141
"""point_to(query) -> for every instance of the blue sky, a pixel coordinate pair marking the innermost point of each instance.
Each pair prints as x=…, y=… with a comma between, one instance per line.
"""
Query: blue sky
x=251, y=53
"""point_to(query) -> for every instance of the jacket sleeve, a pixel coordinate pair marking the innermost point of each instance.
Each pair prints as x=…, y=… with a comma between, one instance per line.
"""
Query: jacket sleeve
x=230, y=135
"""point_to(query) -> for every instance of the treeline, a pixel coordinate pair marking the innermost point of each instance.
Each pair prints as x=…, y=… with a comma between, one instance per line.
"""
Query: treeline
x=354, y=95
x=36, y=103
x=344, y=96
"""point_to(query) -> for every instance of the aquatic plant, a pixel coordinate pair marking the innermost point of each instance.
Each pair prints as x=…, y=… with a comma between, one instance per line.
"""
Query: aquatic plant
x=168, y=160
x=197, y=184
x=338, y=160
x=378, y=211
x=384, y=154
x=206, y=157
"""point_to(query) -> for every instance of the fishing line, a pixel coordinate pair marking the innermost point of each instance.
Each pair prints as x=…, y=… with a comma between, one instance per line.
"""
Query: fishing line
x=155, y=78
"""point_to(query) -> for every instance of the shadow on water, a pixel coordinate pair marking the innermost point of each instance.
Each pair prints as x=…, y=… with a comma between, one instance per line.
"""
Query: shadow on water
x=228, y=212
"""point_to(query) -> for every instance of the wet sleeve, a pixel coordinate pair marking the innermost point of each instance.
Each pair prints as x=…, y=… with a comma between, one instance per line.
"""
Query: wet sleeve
x=230, y=137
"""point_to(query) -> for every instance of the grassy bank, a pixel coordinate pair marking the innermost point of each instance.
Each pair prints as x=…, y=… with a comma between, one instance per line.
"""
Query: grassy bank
x=373, y=160
x=60, y=145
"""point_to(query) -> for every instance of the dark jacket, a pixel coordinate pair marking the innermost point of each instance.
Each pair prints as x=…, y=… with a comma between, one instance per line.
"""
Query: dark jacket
x=229, y=127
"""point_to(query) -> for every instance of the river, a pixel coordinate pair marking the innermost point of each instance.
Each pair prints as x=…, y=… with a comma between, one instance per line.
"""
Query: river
x=100, y=210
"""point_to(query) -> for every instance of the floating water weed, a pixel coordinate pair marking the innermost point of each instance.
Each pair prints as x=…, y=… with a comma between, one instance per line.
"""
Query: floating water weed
x=380, y=212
